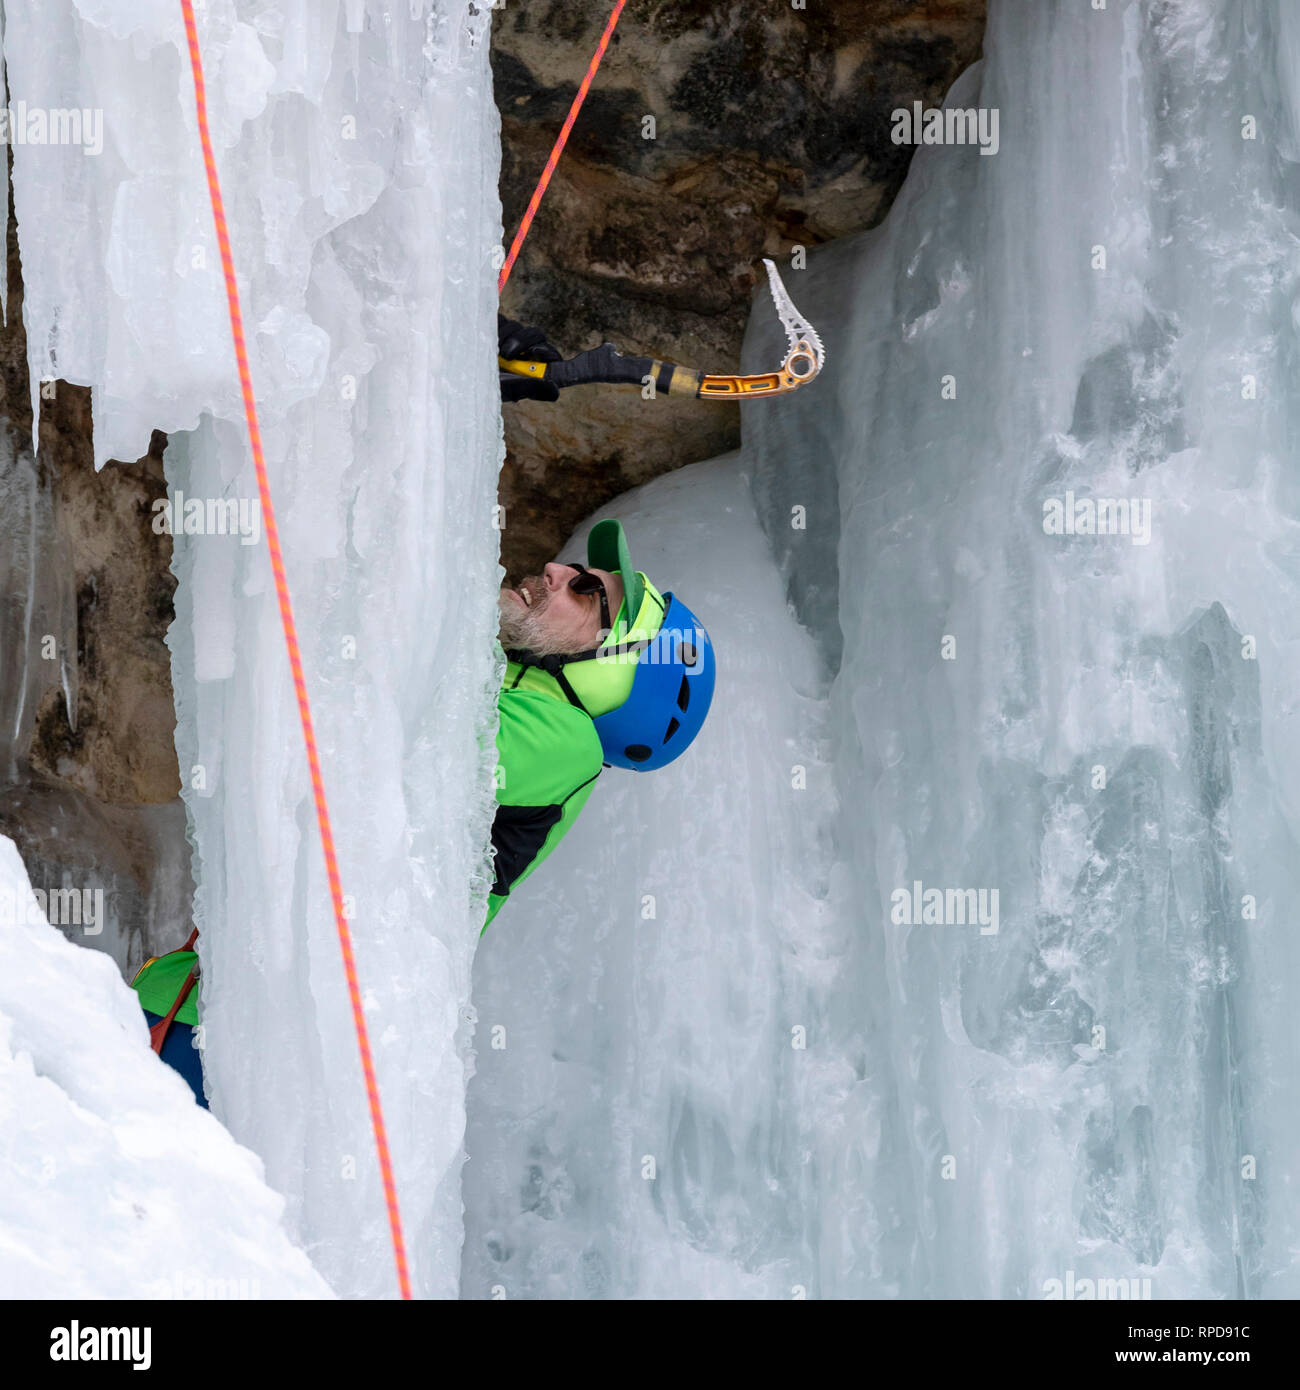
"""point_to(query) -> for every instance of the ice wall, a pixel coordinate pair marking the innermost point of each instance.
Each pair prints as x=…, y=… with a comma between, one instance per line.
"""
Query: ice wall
x=358, y=149
x=644, y=1115
x=1098, y=726
x=121, y=869
x=113, y=1183
x=36, y=602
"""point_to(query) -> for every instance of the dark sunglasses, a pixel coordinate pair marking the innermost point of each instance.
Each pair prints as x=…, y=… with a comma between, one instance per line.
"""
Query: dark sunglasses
x=584, y=582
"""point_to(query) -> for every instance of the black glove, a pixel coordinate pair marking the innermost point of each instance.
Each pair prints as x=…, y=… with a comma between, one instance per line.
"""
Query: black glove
x=516, y=342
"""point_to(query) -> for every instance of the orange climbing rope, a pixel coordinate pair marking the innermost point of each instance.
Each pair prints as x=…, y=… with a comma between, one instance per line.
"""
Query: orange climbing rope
x=295, y=657
x=561, y=140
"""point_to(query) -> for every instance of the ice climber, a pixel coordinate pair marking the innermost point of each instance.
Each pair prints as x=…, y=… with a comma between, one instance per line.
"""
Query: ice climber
x=602, y=669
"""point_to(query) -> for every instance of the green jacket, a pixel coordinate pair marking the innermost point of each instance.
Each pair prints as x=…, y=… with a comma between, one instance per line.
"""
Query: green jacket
x=160, y=979
x=548, y=759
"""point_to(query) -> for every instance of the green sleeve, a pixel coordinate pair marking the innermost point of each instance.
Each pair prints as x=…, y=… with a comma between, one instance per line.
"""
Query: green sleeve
x=548, y=759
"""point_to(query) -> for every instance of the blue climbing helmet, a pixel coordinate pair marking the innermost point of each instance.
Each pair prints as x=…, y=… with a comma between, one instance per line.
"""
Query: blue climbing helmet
x=672, y=688
x=648, y=686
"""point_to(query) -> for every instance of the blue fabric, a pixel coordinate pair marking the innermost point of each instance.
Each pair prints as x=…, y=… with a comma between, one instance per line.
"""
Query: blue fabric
x=181, y=1055
x=671, y=694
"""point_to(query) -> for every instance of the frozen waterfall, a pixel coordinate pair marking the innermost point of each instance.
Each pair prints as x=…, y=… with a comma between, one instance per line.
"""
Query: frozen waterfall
x=786, y=1081
x=360, y=161
x=954, y=960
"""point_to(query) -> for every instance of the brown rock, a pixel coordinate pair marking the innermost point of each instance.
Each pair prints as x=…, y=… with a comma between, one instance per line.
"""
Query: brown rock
x=91, y=795
x=770, y=130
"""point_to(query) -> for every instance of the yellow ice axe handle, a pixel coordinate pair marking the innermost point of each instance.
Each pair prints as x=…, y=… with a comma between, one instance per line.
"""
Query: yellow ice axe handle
x=536, y=370
x=606, y=363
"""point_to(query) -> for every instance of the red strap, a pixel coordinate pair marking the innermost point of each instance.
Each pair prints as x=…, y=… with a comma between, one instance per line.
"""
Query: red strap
x=295, y=656
x=535, y=201
x=158, y=1033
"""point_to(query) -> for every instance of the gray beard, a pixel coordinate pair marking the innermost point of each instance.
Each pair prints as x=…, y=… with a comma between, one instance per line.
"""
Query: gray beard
x=524, y=629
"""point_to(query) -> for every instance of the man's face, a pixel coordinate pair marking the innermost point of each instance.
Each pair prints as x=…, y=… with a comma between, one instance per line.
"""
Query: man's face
x=544, y=616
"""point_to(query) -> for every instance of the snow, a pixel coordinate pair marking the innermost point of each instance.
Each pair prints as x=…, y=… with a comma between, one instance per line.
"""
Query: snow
x=113, y=1182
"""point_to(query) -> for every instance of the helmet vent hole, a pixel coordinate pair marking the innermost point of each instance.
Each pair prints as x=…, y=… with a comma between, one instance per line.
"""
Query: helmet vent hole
x=673, y=726
x=684, y=694
x=689, y=655
x=637, y=752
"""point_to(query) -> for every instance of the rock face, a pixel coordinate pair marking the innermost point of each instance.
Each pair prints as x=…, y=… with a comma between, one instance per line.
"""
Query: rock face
x=89, y=788
x=714, y=134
